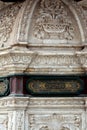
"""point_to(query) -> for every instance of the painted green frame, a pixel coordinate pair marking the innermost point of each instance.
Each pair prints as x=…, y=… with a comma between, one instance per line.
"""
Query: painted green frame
x=57, y=94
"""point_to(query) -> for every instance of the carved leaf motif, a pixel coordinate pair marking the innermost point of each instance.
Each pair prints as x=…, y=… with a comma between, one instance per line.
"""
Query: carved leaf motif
x=55, y=122
x=52, y=21
x=7, y=18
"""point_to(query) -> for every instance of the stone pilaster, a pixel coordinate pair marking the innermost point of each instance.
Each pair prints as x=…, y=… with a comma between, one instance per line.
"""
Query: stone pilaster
x=16, y=86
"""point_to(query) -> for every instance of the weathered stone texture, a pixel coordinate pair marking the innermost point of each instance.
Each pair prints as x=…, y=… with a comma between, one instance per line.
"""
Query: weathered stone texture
x=43, y=113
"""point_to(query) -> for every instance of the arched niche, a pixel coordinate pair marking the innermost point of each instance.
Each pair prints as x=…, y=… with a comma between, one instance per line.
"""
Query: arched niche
x=50, y=23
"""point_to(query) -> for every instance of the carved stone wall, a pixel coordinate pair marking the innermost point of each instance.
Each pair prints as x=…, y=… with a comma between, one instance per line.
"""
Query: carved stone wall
x=25, y=113
x=53, y=22
x=8, y=14
x=38, y=37
x=46, y=23
x=43, y=37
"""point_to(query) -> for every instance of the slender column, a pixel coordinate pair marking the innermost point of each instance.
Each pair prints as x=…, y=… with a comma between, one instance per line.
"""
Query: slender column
x=16, y=86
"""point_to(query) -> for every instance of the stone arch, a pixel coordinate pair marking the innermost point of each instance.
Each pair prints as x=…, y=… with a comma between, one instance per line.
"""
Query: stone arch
x=24, y=25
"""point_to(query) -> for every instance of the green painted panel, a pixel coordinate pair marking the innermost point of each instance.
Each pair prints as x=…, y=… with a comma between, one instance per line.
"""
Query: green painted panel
x=54, y=85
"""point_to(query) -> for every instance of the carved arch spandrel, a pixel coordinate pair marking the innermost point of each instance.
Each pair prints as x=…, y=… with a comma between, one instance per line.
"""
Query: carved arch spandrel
x=25, y=26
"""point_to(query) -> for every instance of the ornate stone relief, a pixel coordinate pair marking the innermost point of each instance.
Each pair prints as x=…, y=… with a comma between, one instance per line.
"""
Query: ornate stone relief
x=7, y=19
x=34, y=62
x=56, y=60
x=39, y=102
x=52, y=21
x=27, y=113
x=55, y=122
x=43, y=20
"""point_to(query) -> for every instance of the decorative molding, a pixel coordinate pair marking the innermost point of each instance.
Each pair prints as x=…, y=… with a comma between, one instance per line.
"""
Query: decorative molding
x=61, y=59
x=56, y=121
x=30, y=62
x=24, y=102
x=25, y=21
x=82, y=19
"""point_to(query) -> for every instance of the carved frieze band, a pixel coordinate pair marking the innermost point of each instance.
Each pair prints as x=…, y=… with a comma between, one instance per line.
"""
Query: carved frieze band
x=33, y=60
x=26, y=101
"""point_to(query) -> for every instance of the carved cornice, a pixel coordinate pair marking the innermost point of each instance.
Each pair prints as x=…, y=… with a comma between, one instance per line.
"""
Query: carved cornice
x=28, y=102
x=41, y=62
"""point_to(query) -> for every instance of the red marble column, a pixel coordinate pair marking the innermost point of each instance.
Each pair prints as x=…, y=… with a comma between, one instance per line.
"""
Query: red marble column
x=16, y=86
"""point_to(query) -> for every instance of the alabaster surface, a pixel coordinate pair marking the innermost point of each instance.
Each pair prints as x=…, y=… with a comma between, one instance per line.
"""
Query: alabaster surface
x=43, y=37
x=40, y=37
x=25, y=113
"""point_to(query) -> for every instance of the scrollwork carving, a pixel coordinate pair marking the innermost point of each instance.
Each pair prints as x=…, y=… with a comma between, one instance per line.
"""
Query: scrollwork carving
x=56, y=60
x=7, y=19
x=55, y=122
x=52, y=21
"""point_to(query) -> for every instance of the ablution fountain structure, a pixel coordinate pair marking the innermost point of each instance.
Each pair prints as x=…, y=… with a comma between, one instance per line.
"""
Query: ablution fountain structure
x=43, y=65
